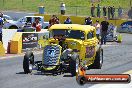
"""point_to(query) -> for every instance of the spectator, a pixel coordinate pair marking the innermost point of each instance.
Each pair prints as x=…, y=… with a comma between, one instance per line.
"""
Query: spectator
x=92, y=10
x=38, y=25
x=130, y=13
x=111, y=27
x=62, y=8
x=104, y=28
x=109, y=12
x=98, y=11
x=104, y=11
x=1, y=14
x=113, y=12
x=33, y=25
x=88, y=21
x=1, y=26
x=57, y=21
x=120, y=12
x=52, y=20
x=97, y=26
x=68, y=21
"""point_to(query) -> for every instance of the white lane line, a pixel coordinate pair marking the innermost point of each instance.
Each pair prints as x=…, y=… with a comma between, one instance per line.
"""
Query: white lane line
x=129, y=85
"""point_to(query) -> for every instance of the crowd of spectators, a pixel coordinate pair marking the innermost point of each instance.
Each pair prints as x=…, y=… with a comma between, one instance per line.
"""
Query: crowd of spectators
x=101, y=28
x=108, y=11
x=111, y=12
x=55, y=20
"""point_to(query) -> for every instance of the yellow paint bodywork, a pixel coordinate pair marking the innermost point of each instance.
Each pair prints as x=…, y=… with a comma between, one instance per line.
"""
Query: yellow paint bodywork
x=85, y=28
x=80, y=44
x=43, y=42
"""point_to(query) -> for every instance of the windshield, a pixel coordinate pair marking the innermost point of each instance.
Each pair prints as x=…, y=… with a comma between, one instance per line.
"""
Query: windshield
x=76, y=34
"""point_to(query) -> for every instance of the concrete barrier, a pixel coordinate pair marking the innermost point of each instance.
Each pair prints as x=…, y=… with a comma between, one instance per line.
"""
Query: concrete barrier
x=80, y=19
x=16, y=43
x=2, y=49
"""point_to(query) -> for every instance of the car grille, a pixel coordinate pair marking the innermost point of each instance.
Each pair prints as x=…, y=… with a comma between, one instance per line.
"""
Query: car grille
x=51, y=54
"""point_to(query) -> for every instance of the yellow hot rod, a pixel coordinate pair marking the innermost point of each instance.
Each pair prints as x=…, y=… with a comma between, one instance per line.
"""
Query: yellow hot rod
x=70, y=47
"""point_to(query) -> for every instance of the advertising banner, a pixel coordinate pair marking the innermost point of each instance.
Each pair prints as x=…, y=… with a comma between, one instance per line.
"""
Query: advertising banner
x=29, y=40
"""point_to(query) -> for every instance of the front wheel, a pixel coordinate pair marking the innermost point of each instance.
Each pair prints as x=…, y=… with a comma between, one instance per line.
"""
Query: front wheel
x=81, y=80
x=28, y=62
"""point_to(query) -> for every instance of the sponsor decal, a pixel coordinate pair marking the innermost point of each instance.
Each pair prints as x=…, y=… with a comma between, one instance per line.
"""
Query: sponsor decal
x=104, y=78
